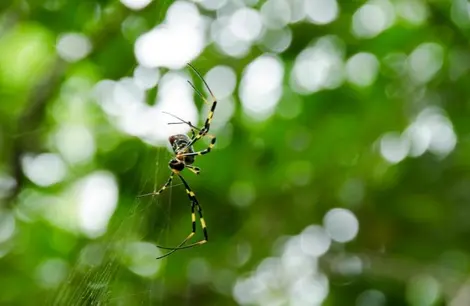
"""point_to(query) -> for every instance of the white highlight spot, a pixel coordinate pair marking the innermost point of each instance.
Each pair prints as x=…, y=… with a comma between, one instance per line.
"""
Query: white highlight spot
x=146, y=78
x=226, y=40
x=276, y=14
x=277, y=41
x=97, y=200
x=321, y=11
x=413, y=11
x=309, y=290
x=127, y=97
x=73, y=47
x=140, y=258
x=425, y=61
x=130, y=114
x=168, y=47
x=443, y=138
x=430, y=131
x=341, y=224
x=212, y=4
x=136, y=4
x=319, y=66
x=362, y=69
x=243, y=290
x=420, y=138
x=222, y=81
x=373, y=18
x=75, y=143
x=7, y=225
x=246, y=24
x=175, y=43
x=297, y=8
x=292, y=278
x=393, y=147
x=261, y=86
x=44, y=169
x=314, y=241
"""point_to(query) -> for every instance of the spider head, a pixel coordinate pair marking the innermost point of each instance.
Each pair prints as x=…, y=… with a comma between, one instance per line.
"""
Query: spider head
x=172, y=139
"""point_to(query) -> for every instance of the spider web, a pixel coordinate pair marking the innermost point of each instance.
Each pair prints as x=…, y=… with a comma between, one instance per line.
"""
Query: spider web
x=92, y=281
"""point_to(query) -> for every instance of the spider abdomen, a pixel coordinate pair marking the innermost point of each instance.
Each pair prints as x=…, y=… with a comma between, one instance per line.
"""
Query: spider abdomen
x=179, y=144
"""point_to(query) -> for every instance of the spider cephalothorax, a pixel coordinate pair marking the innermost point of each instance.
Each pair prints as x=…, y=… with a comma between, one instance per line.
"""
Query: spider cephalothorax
x=182, y=146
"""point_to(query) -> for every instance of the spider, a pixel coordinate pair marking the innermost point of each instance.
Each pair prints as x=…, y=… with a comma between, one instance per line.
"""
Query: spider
x=182, y=146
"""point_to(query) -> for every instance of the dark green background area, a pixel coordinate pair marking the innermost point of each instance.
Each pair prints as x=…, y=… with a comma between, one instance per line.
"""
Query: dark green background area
x=414, y=216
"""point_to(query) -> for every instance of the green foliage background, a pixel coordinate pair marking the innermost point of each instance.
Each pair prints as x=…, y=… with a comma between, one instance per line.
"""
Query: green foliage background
x=413, y=215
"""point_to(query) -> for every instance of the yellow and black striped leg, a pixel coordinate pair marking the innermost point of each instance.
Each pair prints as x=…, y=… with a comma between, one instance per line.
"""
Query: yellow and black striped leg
x=211, y=145
x=193, y=169
x=193, y=231
x=194, y=205
x=207, y=123
x=161, y=189
x=203, y=132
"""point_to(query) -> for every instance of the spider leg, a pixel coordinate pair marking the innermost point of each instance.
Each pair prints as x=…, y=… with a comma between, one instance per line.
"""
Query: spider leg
x=193, y=169
x=161, y=189
x=192, y=133
x=204, y=130
x=205, y=151
x=193, y=231
x=194, y=206
x=182, y=121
